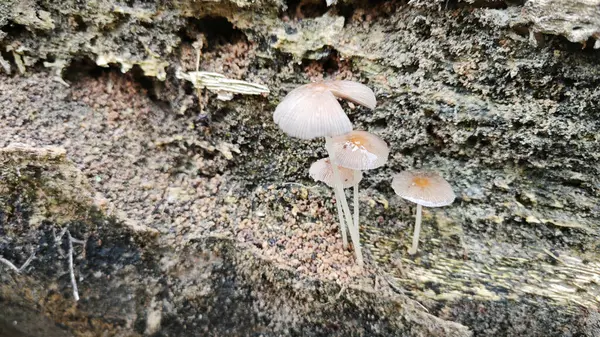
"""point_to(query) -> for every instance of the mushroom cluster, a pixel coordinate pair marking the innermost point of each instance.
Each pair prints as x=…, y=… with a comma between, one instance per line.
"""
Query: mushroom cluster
x=313, y=111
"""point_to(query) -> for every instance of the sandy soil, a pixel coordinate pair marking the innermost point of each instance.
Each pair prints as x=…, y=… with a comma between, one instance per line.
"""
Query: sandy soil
x=134, y=154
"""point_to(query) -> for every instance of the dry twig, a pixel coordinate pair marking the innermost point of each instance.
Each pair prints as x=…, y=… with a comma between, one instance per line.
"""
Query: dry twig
x=73, y=281
x=9, y=264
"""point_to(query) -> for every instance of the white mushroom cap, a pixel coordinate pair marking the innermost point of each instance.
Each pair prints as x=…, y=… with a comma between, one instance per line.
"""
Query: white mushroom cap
x=359, y=150
x=426, y=188
x=321, y=170
x=312, y=110
x=354, y=92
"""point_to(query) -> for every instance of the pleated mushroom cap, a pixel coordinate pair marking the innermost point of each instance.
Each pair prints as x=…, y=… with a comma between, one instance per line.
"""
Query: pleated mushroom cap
x=311, y=111
x=427, y=188
x=321, y=170
x=359, y=150
x=354, y=92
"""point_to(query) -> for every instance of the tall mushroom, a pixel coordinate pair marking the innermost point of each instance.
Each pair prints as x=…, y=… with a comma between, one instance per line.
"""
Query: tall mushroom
x=358, y=150
x=312, y=111
x=425, y=188
x=322, y=170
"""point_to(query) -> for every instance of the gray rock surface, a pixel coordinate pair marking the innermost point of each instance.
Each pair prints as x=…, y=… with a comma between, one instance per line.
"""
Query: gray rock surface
x=193, y=215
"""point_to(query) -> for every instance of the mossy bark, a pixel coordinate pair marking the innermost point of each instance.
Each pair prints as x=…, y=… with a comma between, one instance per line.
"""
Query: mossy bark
x=499, y=98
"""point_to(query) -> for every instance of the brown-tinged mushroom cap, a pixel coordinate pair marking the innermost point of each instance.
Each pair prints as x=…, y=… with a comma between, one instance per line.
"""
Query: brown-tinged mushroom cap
x=321, y=170
x=354, y=92
x=426, y=188
x=359, y=150
x=311, y=111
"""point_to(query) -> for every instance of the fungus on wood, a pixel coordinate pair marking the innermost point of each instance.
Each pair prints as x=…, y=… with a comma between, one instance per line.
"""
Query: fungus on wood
x=322, y=171
x=424, y=188
x=357, y=151
x=312, y=111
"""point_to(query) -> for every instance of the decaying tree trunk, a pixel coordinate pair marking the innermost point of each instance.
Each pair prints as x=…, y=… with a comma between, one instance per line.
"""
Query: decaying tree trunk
x=144, y=189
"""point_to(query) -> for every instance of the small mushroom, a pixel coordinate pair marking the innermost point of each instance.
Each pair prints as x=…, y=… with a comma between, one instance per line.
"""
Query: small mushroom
x=425, y=188
x=321, y=170
x=358, y=150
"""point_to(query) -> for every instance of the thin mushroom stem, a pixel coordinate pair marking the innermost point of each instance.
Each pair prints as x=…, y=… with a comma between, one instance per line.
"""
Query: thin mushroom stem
x=415, y=241
x=351, y=228
x=342, y=198
x=341, y=217
x=356, y=179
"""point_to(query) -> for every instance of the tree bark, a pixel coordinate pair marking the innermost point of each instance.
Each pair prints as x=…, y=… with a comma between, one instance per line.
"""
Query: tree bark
x=193, y=214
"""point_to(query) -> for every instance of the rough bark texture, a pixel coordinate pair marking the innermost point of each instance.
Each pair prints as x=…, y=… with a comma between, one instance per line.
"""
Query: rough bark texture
x=181, y=203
